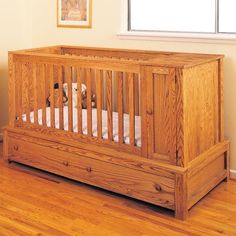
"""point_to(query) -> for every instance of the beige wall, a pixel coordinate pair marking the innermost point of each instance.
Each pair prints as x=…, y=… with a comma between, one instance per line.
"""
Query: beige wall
x=15, y=25
x=106, y=24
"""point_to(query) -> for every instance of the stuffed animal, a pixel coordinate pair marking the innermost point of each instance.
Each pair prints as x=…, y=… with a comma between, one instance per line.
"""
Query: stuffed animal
x=56, y=96
x=84, y=101
x=74, y=92
x=83, y=95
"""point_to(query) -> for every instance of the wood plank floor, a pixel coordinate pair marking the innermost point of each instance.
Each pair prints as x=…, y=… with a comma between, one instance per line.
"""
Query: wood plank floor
x=35, y=203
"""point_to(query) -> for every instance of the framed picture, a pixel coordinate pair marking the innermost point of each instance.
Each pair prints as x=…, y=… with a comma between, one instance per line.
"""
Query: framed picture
x=74, y=13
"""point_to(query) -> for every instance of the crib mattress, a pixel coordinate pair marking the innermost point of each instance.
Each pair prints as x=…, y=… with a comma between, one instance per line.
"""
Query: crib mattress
x=94, y=123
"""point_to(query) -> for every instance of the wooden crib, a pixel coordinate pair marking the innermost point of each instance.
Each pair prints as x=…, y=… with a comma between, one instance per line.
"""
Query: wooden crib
x=156, y=132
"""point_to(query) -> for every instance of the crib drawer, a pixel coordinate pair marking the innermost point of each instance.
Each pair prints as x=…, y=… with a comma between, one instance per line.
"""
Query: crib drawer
x=141, y=185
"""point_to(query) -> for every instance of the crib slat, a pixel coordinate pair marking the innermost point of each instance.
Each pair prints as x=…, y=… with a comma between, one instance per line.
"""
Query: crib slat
x=20, y=81
x=109, y=104
x=120, y=107
x=25, y=84
x=60, y=100
x=52, y=96
x=99, y=76
x=89, y=101
x=35, y=90
x=70, y=108
x=137, y=94
x=131, y=109
x=79, y=101
x=44, y=89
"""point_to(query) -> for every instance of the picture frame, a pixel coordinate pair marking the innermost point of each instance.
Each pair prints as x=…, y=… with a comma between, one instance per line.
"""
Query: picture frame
x=74, y=13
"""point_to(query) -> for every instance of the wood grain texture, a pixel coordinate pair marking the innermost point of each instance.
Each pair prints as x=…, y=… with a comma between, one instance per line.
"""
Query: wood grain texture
x=50, y=77
x=79, y=100
x=137, y=184
x=205, y=179
x=143, y=111
x=35, y=90
x=149, y=110
x=4, y=146
x=11, y=90
x=68, y=76
x=44, y=93
x=179, y=97
x=26, y=96
x=82, y=210
x=201, y=113
x=131, y=109
x=120, y=106
x=109, y=104
x=89, y=101
x=60, y=100
x=18, y=82
x=181, y=196
x=181, y=158
x=221, y=98
x=93, y=150
x=99, y=85
x=164, y=108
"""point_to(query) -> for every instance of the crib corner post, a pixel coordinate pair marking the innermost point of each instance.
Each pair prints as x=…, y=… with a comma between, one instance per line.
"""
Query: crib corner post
x=181, y=196
x=5, y=145
x=11, y=90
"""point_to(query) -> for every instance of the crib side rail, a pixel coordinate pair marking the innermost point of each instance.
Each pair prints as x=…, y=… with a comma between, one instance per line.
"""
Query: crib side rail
x=37, y=99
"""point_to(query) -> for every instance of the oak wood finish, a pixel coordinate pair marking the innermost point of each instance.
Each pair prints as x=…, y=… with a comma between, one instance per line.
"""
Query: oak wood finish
x=131, y=109
x=178, y=96
x=60, y=100
x=99, y=76
x=109, y=104
x=50, y=76
x=79, y=101
x=11, y=90
x=141, y=185
x=68, y=76
x=44, y=92
x=38, y=203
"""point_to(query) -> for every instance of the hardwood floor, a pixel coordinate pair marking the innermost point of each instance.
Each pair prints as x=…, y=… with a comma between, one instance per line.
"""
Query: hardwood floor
x=36, y=203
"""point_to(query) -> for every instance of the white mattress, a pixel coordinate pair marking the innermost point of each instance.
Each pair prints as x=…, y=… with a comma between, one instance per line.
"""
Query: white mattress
x=94, y=123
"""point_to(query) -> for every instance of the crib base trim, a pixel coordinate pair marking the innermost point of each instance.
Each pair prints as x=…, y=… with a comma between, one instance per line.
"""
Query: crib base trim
x=167, y=187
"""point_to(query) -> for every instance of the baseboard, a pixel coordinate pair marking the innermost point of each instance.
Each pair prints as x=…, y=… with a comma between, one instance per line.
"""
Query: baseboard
x=233, y=174
x=1, y=137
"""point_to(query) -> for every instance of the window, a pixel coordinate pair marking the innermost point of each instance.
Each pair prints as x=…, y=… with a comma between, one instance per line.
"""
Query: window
x=185, y=16
x=227, y=16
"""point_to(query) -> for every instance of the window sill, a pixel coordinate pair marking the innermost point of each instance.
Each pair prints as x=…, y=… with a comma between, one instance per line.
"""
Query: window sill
x=179, y=37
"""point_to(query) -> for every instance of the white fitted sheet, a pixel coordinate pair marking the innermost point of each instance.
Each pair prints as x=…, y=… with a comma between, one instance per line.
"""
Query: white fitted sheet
x=94, y=123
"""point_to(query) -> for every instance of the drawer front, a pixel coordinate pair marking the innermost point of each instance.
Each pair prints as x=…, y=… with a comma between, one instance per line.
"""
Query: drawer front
x=141, y=185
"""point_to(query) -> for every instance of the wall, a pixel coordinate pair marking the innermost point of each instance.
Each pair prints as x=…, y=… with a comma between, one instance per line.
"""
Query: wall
x=106, y=24
x=15, y=25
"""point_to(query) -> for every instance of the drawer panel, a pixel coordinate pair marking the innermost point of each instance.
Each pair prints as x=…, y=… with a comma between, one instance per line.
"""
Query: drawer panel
x=141, y=185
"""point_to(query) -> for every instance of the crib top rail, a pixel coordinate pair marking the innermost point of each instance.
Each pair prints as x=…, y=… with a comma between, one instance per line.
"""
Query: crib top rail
x=135, y=58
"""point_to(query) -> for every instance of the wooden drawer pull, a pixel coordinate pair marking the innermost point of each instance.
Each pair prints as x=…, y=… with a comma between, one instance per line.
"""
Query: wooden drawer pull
x=150, y=112
x=15, y=147
x=158, y=187
x=89, y=169
x=66, y=163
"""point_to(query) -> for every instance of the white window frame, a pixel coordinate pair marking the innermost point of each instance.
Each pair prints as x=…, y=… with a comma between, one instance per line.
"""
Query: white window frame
x=124, y=33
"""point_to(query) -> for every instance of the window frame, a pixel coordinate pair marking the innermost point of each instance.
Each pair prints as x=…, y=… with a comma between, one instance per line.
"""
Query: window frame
x=217, y=37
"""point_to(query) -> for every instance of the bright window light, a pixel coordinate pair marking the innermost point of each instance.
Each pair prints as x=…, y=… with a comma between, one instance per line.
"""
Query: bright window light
x=227, y=16
x=174, y=15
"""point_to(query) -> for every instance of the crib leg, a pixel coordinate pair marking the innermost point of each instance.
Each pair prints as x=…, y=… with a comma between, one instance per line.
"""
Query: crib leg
x=181, y=214
x=181, y=208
